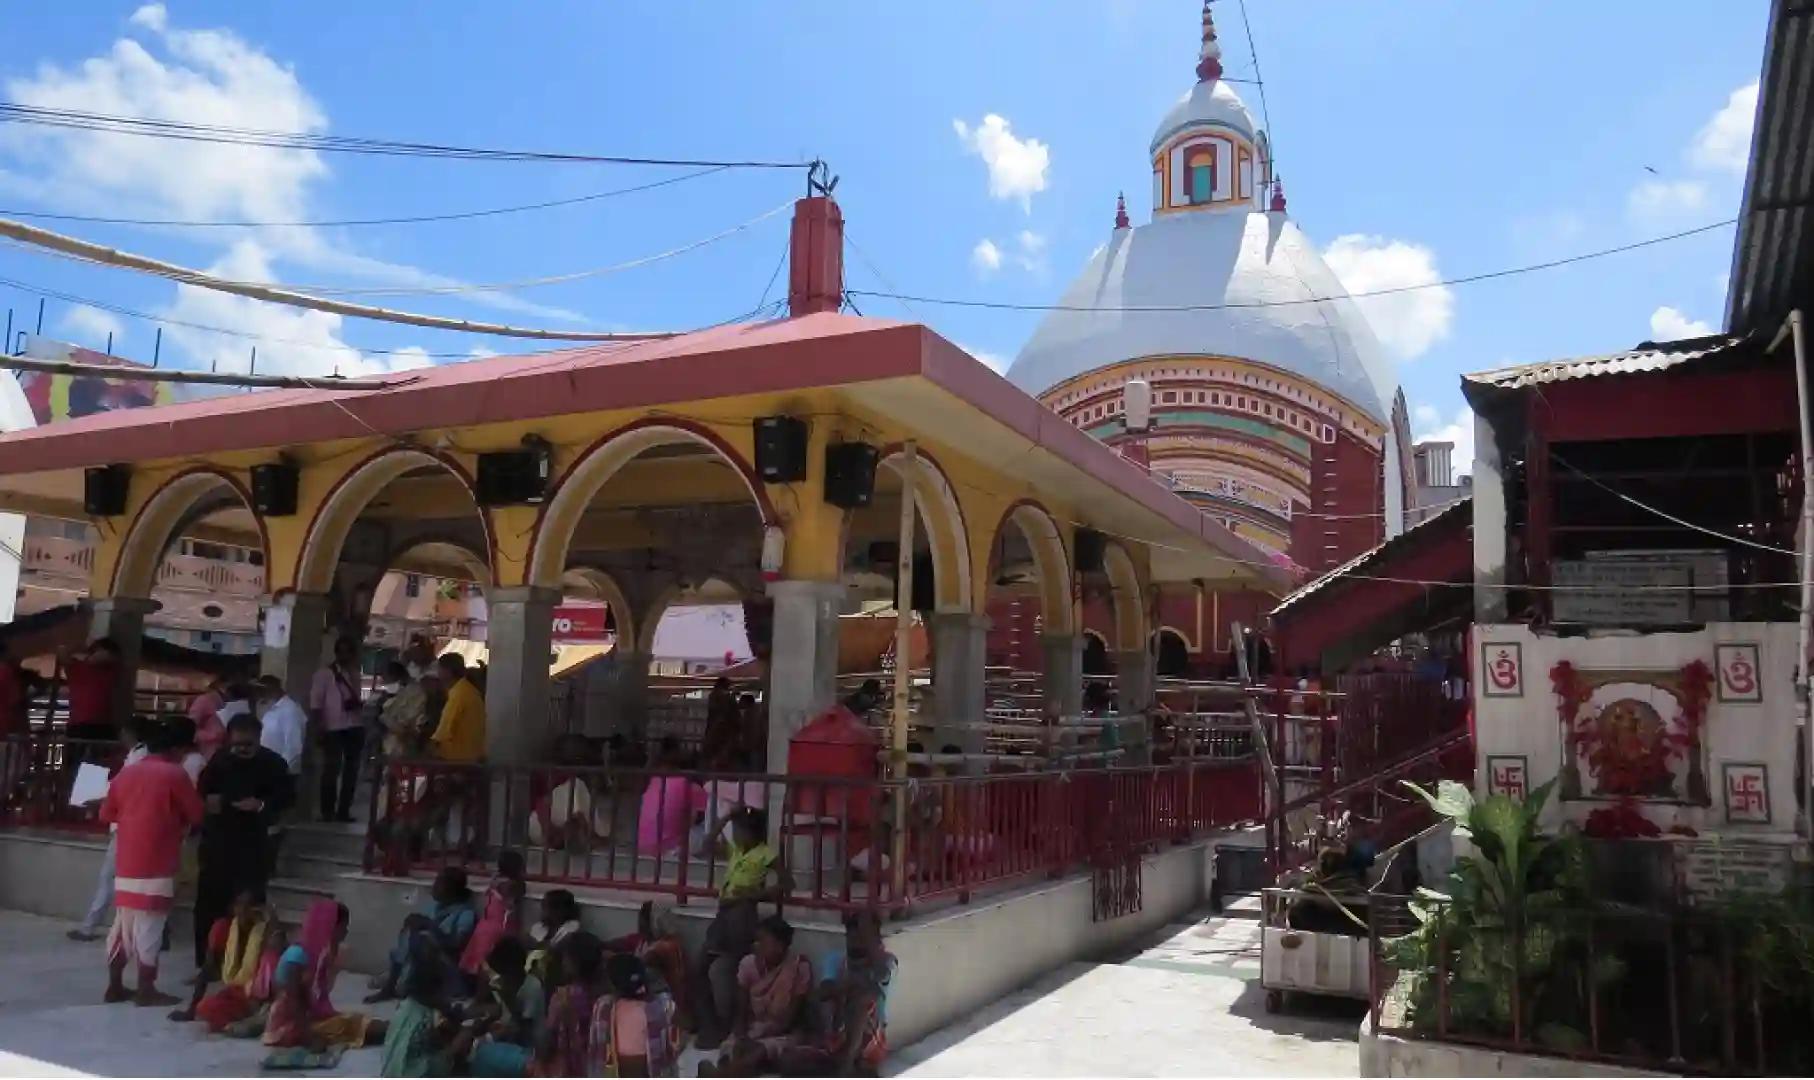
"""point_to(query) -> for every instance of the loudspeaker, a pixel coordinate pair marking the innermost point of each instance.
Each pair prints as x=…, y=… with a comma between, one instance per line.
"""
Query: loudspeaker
x=850, y=474
x=274, y=489
x=104, y=490
x=512, y=476
x=1090, y=545
x=780, y=449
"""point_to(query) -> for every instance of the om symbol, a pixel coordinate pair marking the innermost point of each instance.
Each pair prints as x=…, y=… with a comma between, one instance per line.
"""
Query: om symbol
x=1740, y=677
x=1503, y=670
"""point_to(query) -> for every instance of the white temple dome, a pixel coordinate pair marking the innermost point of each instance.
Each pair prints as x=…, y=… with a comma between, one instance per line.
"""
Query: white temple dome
x=1212, y=103
x=1241, y=273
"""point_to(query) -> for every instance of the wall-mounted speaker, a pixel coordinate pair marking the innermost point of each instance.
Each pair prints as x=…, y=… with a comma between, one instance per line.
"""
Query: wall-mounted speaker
x=781, y=449
x=274, y=489
x=1090, y=547
x=510, y=477
x=104, y=490
x=850, y=474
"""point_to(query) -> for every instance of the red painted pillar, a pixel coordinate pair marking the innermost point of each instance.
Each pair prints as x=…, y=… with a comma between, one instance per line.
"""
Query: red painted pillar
x=1539, y=508
x=815, y=280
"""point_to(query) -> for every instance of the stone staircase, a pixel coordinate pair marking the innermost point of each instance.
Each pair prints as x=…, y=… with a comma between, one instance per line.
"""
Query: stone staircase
x=309, y=864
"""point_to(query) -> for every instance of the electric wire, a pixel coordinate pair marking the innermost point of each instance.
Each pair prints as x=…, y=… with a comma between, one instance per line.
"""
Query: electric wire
x=1135, y=309
x=328, y=223
x=14, y=112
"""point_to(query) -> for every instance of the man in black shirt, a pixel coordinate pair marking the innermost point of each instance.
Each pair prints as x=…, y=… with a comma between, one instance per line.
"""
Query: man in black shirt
x=245, y=788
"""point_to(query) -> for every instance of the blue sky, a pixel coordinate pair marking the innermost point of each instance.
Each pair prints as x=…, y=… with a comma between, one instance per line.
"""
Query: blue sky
x=1418, y=139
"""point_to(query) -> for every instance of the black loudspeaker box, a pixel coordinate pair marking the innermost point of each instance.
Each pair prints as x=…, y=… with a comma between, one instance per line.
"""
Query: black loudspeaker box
x=104, y=490
x=1090, y=545
x=780, y=449
x=850, y=474
x=508, y=477
x=274, y=489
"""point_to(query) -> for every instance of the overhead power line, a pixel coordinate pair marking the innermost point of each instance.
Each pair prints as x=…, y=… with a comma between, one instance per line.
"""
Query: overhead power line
x=31, y=234
x=1007, y=305
x=13, y=112
x=411, y=219
x=202, y=279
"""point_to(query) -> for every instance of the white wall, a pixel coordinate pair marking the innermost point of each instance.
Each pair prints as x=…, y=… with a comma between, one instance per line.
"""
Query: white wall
x=1530, y=724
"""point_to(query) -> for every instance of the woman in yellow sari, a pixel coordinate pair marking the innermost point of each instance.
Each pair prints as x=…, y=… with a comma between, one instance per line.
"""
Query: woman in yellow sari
x=236, y=949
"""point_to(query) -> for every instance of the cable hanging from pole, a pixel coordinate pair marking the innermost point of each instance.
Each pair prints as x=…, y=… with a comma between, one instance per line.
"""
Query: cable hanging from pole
x=13, y=112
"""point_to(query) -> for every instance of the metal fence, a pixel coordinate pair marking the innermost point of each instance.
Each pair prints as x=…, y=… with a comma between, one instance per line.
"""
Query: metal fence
x=846, y=843
x=36, y=773
x=1678, y=989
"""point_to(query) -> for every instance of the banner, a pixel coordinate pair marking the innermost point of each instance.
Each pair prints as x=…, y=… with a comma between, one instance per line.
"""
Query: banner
x=579, y=624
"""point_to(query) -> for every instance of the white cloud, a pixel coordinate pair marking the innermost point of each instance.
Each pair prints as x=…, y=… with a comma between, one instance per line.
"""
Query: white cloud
x=1017, y=167
x=1031, y=242
x=985, y=256
x=290, y=341
x=1410, y=322
x=1724, y=143
x=996, y=361
x=151, y=16
x=1428, y=426
x=204, y=76
x=1668, y=324
x=1655, y=200
x=92, y=328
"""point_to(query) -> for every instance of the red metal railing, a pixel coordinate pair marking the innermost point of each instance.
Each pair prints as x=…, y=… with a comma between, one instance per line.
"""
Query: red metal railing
x=846, y=843
x=36, y=772
x=1678, y=990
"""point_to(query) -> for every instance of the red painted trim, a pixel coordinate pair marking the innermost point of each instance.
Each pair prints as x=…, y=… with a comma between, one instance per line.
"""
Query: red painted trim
x=1676, y=404
x=452, y=465
x=239, y=489
x=758, y=491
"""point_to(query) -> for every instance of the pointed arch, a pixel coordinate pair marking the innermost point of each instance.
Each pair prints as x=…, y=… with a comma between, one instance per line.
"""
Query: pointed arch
x=1051, y=558
x=943, y=517
x=352, y=493
x=178, y=502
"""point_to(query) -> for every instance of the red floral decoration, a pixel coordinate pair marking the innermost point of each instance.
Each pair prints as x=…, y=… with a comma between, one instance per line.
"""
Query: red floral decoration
x=1627, y=745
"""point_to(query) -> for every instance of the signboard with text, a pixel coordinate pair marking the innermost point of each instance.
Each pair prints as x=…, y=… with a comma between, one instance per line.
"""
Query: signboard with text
x=576, y=624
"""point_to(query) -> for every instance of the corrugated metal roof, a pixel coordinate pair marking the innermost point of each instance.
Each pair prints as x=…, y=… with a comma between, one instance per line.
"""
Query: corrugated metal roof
x=1773, y=261
x=1649, y=356
x=1372, y=558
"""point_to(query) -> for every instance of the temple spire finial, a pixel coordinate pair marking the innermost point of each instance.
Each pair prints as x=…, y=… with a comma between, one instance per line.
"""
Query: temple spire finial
x=1121, y=221
x=1209, y=57
x=1277, y=205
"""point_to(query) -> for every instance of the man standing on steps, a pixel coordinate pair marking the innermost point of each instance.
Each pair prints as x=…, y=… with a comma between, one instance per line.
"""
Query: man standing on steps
x=245, y=789
x=155, y=804
x=335, y=703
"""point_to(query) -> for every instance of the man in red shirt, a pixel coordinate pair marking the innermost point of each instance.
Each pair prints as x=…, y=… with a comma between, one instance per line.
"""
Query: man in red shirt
x=154, y=804
x=91, y=676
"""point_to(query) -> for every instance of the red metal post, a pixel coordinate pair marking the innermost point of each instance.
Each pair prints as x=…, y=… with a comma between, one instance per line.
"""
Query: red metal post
x=815, y=281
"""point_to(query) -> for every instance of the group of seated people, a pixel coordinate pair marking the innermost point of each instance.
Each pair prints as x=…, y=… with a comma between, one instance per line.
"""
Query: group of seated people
x=485, y=995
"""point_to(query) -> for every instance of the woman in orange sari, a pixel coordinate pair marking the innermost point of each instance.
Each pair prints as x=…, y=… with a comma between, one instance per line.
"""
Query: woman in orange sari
x=302, y=1011
x=236, y=948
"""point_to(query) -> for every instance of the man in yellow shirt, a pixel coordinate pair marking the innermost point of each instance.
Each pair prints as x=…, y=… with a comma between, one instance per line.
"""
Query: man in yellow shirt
x=460, y=736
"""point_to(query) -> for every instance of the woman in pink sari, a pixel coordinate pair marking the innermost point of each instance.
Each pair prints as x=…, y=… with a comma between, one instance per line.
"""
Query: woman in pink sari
x=774, y=984
x=302, y=1011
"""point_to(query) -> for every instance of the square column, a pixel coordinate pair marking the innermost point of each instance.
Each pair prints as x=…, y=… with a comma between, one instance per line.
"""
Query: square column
x=803, y=659
x=1135, y=680
x=1064, y=672
x=518, y=633
x=122, y=618
x=959, y=644
x=296, y=656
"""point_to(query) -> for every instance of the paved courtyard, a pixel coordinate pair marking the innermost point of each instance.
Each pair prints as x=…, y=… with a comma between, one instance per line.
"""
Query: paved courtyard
x=1188, y=1005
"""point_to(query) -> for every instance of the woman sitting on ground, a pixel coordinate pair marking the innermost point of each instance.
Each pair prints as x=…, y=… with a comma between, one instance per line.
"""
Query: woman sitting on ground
x=500, y=914
x=508, y=1021
x=559, y=921
x=422, y=1040
x=236, y=951
x=450, y=923
x=658, y=945
x=565, y=1046
x=302, y=1006
x=633, y=1028
x=851, y=1006
x=773, y=984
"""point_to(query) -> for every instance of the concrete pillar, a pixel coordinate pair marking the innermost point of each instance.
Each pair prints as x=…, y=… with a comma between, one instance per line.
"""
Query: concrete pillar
x=803, y=659
x=629, y=696
x=1064, y=672
x=1489, y=511
x=518, y=632
x=959, y=644
x=1135, y=679
x=298, y=655
x=122, y=618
